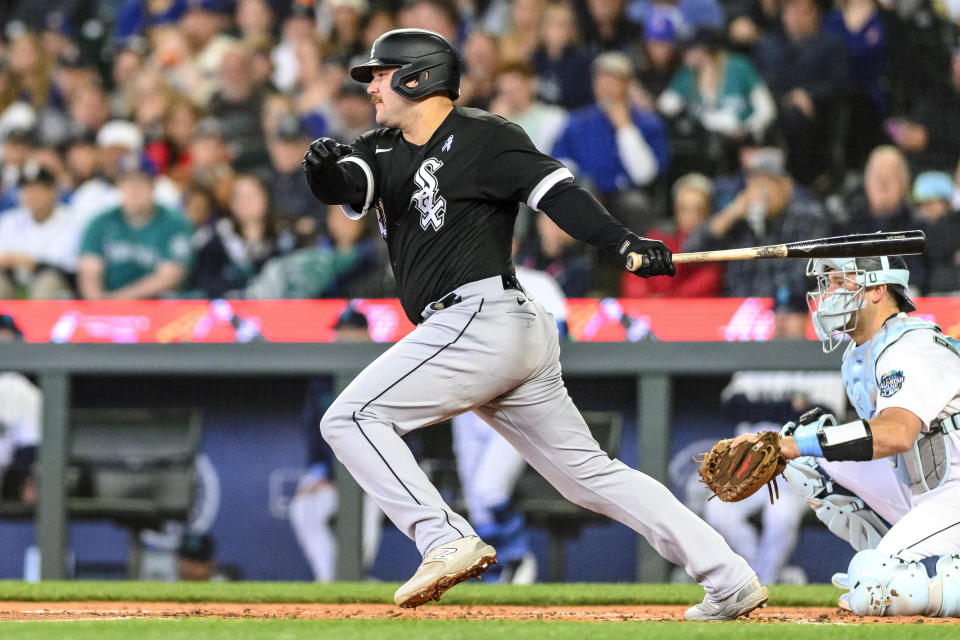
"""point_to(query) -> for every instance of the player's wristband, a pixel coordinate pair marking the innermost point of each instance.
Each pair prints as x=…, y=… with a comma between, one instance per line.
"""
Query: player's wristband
x=808, y=442
x=851, y=441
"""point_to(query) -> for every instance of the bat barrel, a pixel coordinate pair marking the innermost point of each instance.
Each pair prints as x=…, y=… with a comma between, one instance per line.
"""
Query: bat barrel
x=861, y=245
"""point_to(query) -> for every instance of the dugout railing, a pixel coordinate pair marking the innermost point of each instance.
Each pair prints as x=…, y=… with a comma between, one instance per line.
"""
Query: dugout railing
x=652, y=365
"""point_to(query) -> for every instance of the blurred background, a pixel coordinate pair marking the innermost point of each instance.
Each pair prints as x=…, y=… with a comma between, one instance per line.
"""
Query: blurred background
x=151, y=192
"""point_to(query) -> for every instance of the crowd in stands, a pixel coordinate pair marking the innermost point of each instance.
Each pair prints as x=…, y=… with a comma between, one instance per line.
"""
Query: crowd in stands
x=153, y=149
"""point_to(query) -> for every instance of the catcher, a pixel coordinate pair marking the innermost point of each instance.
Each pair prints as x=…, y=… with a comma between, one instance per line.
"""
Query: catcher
x=900, y=459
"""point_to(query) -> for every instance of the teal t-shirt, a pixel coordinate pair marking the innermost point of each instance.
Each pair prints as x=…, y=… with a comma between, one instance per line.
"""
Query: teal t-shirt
x=739, y=79
x=130, y=253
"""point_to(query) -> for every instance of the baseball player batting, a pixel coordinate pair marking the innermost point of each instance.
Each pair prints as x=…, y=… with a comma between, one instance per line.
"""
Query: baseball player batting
x=901, y=458
x=445, y=183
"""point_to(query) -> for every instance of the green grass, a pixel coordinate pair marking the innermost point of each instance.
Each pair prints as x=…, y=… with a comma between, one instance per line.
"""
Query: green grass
x=447, y=629
x=559, y=594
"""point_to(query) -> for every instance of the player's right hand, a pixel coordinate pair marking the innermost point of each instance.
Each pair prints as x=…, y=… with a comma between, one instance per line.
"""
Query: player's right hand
x=657, y=260
x=322, y=154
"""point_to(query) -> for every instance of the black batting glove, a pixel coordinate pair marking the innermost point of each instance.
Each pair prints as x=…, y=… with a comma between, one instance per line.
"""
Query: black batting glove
x=322, y=154
x=657, y=260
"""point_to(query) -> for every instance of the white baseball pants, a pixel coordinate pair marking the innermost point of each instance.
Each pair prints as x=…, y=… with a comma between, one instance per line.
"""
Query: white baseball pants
x=496, y=352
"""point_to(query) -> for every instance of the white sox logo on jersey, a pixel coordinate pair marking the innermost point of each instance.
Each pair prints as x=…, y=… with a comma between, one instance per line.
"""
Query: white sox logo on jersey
x=431, y=204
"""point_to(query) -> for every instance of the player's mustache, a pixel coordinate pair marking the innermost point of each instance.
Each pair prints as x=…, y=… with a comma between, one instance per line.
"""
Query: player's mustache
x=375, y=100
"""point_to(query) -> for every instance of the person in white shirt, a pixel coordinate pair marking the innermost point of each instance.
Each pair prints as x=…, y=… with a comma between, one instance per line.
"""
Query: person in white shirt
x=39, y=241
x=901, y=458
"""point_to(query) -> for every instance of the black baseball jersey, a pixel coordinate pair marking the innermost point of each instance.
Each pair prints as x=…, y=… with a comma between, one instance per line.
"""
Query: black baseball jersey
x=447, y=209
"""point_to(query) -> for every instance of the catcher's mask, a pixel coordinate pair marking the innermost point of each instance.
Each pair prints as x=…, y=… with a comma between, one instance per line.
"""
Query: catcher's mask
x=841, y=292
x=421, y=55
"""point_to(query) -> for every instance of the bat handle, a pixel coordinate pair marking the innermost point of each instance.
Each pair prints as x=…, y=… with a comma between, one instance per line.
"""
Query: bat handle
x=636, y=261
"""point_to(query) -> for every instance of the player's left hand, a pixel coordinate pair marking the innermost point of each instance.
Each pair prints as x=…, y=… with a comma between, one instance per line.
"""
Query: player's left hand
x=657, y=258
x=736, y=468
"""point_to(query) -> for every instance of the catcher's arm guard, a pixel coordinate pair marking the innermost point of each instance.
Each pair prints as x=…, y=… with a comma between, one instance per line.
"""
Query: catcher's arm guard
x=734, y=474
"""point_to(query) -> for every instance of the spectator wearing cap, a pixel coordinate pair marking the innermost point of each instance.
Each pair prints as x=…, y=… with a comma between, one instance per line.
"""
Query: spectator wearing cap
x=722, y=93
x=661, y=56
x=236, y=105
x=90, y=192
x=932, y=196
x=615, y=147
x=516, y=100
x=39, y=241
x=137, y=250
x=772, y=209
x=692, y=205
x=289, y=193
x=561, y=62
x=806, y=70
x=862, y=28
x=119, y=139
x=21, y=409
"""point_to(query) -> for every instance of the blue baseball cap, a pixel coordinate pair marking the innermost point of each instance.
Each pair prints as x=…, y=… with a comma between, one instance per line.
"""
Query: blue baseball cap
x=136, y=163
x=221, y=7
x=658, y=26
x=932, y=185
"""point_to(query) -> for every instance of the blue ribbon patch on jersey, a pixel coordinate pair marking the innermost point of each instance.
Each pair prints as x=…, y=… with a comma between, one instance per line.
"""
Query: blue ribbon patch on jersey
x=891, y=382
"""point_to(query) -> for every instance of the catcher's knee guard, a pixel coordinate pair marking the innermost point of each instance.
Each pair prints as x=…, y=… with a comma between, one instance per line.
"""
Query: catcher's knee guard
x=945, y=588
x=884, y=585
x=847, y=517
x=805, y=477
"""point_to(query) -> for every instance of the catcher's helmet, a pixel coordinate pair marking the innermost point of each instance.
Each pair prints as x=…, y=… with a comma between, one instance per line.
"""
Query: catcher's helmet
x=416, y=52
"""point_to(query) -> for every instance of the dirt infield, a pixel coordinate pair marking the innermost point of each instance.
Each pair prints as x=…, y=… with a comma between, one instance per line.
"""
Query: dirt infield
x=128, y=610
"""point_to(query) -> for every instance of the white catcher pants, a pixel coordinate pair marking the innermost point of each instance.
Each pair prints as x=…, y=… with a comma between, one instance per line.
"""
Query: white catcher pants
x=497, y=353
x=924, y=526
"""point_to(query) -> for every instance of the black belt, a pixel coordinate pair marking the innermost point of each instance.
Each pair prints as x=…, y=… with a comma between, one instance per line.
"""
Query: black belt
x=509, y=282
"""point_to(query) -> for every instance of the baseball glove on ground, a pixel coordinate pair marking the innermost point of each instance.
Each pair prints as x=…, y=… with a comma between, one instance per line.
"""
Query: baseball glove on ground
x=735, y=474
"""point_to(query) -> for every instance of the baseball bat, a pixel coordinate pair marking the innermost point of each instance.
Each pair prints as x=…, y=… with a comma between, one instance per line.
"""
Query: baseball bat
x=882, y=243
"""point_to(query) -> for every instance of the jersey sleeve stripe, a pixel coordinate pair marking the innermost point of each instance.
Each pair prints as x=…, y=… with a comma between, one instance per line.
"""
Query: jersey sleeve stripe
x=546, y=184
x=348, y=210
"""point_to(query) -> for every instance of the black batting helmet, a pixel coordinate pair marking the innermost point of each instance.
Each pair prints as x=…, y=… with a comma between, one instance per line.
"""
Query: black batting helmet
x=416, y=52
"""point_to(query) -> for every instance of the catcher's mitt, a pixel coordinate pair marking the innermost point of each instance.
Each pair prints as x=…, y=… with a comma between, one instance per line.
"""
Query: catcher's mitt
x=735, y=474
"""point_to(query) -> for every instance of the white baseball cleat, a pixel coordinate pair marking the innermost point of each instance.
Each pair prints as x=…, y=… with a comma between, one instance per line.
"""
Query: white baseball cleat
x=840, y=581
x=748, y=598
x=443, y=567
